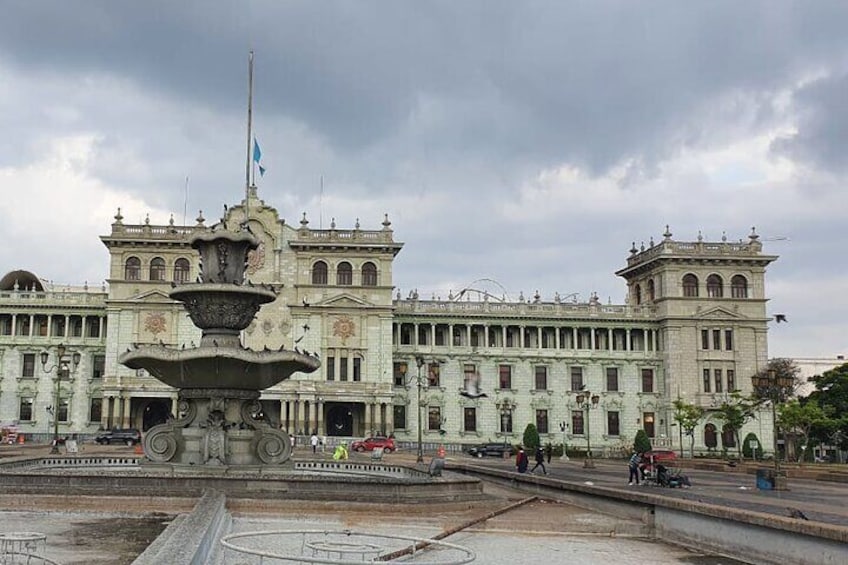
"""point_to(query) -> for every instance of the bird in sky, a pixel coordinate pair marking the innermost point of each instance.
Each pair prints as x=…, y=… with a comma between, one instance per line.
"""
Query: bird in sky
x=780, y=318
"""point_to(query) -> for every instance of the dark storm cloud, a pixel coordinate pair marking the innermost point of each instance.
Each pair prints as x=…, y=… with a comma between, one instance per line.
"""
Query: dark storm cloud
x=502, y=83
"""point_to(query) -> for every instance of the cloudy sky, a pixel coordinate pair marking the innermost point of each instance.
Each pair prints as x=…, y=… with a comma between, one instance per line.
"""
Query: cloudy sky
x=524, y=142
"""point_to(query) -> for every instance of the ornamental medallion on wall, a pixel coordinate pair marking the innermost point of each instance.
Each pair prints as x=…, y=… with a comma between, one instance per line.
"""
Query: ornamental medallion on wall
x=344, y=328
x=155, y=323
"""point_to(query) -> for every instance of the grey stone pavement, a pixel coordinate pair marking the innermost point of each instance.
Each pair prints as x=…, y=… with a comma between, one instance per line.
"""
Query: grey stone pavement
x=545, y=532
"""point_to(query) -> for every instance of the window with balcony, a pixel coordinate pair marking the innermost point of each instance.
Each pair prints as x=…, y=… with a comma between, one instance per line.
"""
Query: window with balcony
x=648, y=424
x=25, y=410
x=541, y=377
x=28, y=366
x=576, y=378
x=647, y=380
x=613, y=428
x=95, y=410
x=434, y=418
x=434, y=375
x=399, y=370
x=64, y=405
x=399, y=413
x=98, y=366
x=577, y=422
x=506, y=419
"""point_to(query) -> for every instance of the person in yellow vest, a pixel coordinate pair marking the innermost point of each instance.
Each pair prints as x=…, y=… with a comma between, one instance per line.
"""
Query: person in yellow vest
x=340, y=454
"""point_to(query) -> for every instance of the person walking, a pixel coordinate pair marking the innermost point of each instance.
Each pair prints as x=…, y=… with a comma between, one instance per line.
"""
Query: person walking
x=521, y=461
x=314, y=442
x=633, y=465
x=549, y=450
x=540, y=460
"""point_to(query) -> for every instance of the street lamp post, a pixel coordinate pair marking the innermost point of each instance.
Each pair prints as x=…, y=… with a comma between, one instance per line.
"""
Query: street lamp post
x=419, y=362
x=563, y=427
x=587, y=399
x=62, y=370
x=774, y=387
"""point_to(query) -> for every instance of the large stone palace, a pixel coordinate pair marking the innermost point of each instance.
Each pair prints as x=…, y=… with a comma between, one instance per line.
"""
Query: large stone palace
x=470, y=368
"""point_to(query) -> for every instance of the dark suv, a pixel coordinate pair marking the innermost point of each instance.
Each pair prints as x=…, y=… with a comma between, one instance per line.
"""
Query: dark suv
x=494, y=449
x=129, y=437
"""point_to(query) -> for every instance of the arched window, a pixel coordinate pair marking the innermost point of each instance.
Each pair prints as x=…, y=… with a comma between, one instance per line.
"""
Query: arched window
x=344, y=274
x=369, y=274
x=181, y=270
x=739, y=287
x=157, y=269
x=690, y=285
x=710, y=437
x=728, y=437
x=714, y=286
x=319, y=273
x=132, y=269
x=652, y=295
x=638, y=292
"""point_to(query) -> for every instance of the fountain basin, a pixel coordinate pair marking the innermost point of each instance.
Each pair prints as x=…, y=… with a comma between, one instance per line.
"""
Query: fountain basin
x=222, y=305
x=218, y=367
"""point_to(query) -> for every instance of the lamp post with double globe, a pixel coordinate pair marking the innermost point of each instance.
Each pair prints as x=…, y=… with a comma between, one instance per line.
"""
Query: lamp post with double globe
x=588, y=400
x=774, y=387
x=62, y=371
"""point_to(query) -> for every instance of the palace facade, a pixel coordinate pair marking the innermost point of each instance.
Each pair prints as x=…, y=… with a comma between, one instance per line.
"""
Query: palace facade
x=474, y=367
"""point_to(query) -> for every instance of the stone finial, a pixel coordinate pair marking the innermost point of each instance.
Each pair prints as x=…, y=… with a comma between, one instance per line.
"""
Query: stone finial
x=118, y=217
x=200, y=219
x=700, y=237
x=303, y=221
x=642, y=247
x=386, y=223
x=667, y=233
x=332, y=223
x=724, y=236
x=147, y=219
x=633, y=250
x=356, y=226
x=171, y=221
x=753, y=236
x=651, y=242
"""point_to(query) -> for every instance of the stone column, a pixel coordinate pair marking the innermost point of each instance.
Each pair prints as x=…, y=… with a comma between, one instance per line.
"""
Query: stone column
x=378, y=417
x=67, y=326
x=31, y=325
x=390, y=418
x=592, y=344
x=319, y=417
x=175, y=402
x=125, y=413
x=574, y=337
x=369, y=406
x=106, y=415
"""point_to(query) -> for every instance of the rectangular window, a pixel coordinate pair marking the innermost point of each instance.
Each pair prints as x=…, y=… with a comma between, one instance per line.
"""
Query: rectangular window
x=434, y=418
x=647, y=380
x=399, y=371
x=64, y=405
x=717, y=375
x=26, y=409
x=399, y=413
x=342, y=368
x=471, y=380
x=576, y=378
x=716, y=339
x=612, y=424
x=28, y=367
x=357, y=369
x=331, y=368
x=506, y=420
x=706, y=380
x=542, y=421
x=728, y=340
x=731, y=380
x=612, y=379
x=648, y=418
x=577, y=422
x=95, y=410
x=433, y=375
x=505, y=376
x=705, y=339
x=98, y=366
x=470, y=419
x=541, y=377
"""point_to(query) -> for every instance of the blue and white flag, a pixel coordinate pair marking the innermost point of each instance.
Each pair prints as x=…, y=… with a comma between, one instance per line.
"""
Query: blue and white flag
x=257, y=157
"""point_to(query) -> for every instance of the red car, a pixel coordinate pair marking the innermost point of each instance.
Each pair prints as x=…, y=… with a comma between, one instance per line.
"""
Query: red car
x=371, y=443
x=650, y=459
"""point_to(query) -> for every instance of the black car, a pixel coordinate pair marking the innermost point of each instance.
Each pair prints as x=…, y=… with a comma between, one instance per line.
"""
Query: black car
x=129, y=436
x=492, y=449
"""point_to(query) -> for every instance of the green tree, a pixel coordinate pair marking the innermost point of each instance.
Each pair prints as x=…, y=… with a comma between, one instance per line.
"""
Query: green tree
x=734, y=412
x=642, y=443
x=687, y=417
x=797, y=419
x=531, y=438
x=831, y=395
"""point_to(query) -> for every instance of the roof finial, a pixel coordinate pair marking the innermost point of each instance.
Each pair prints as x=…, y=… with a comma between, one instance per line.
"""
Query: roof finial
x=754, y=236
x=667, y=233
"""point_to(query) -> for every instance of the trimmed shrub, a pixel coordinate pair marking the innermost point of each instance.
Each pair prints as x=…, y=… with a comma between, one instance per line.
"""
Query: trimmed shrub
x=642, y=443
x=531, y=438
x=749, y=452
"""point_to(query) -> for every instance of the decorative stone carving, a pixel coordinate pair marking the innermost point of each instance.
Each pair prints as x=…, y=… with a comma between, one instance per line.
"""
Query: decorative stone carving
x=155, y=323
x=344, y=328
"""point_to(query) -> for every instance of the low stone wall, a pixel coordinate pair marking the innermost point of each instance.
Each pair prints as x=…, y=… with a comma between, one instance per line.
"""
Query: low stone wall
x=760, y=537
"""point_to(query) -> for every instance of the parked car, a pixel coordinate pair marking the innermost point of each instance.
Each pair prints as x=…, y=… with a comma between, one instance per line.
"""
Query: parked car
x=129, y=436
x=493, y=449
x=650, y=459
x=371, y=443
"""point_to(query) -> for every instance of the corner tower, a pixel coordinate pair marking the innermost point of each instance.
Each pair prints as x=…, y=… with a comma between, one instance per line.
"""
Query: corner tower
x=710, y=304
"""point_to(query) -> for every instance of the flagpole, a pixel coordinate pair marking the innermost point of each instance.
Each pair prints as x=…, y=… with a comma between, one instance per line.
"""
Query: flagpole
x=249, y=137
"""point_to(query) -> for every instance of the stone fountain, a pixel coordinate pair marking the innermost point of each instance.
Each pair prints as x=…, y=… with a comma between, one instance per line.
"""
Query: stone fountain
x=219, y=422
